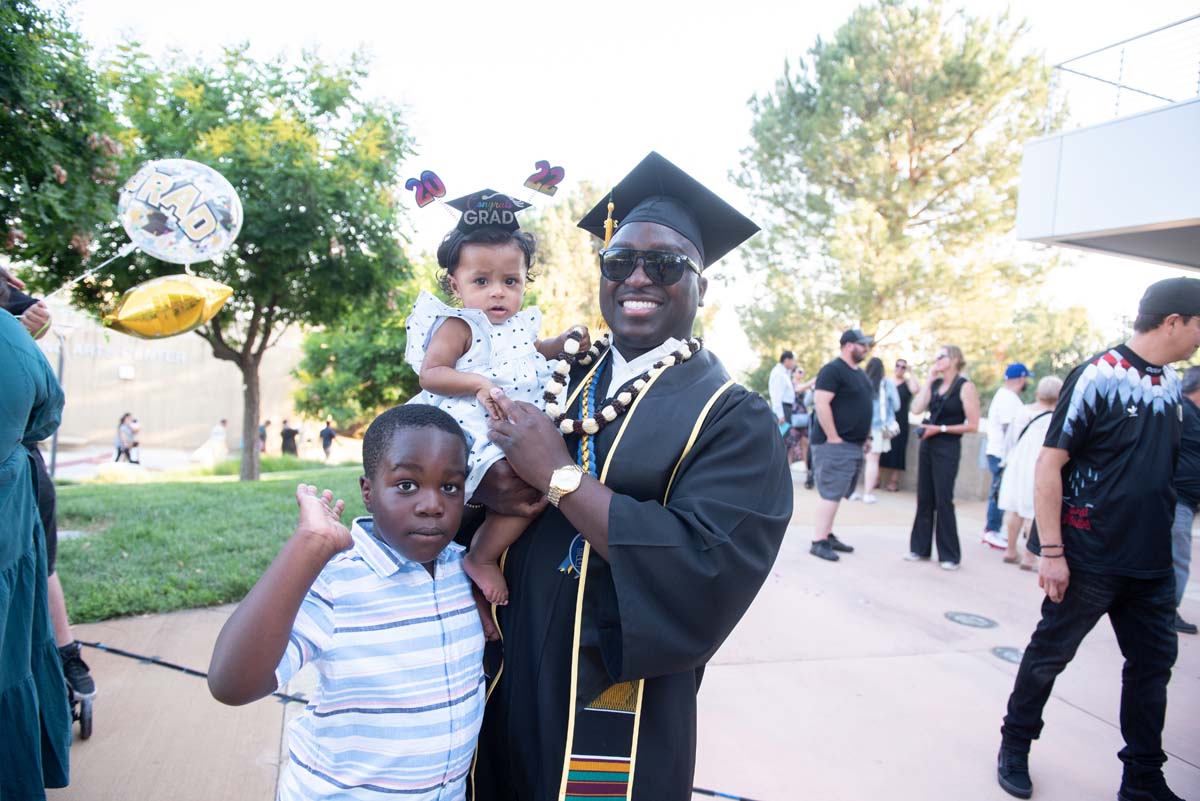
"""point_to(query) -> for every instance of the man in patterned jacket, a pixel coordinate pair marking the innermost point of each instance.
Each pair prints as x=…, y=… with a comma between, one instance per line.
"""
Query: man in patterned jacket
x=1104, y=503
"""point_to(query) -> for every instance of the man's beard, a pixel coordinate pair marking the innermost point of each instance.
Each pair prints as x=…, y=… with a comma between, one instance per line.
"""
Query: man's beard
x=859, y=356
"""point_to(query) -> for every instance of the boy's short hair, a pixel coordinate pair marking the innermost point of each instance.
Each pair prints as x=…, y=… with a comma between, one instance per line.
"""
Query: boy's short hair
x=411, y=415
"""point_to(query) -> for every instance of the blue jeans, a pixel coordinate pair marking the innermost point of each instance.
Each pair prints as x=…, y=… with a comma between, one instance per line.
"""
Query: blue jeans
x=1181, y=546
x=995, y=516
x=1142, y=614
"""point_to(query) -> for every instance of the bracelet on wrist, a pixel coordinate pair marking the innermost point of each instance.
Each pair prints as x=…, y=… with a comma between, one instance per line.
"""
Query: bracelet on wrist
x=1053, y=556
x=1051, y=545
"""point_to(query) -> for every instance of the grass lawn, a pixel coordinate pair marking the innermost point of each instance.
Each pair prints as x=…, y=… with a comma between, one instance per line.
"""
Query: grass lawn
x=179, y=545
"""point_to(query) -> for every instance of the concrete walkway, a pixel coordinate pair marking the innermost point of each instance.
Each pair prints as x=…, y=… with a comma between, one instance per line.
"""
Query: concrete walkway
x=844, y=681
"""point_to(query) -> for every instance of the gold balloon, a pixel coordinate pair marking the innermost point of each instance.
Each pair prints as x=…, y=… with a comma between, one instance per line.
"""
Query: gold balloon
x=166, y=306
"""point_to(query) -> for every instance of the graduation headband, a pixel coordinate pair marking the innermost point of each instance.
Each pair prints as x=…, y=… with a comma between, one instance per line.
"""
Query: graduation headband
x=487, y=208
x=659, y=192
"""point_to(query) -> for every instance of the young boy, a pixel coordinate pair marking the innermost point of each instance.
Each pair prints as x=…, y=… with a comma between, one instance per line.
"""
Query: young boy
x=386, y=615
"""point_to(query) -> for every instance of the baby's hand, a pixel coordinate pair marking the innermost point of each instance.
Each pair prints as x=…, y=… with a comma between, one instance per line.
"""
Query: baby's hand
x=484, y=396
x=585, y=344
x=321, y=519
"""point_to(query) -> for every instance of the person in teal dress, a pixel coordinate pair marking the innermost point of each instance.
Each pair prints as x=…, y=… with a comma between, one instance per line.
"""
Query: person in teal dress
x=34, y=714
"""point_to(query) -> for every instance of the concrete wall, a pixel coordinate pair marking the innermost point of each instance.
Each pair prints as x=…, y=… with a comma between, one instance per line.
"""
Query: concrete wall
x=175, y=387
x=973, y=484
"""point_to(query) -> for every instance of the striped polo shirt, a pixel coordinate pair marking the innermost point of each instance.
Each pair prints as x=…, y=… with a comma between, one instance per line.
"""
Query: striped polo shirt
x=400, y=697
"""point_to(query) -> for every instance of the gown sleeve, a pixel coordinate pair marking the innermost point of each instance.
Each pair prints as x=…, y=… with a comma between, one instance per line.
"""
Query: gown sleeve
x=685, y=573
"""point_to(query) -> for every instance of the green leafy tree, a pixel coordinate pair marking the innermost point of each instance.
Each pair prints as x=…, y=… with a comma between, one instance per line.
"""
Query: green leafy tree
x=356, y=369
x=886, y=165
x=58, y=158
x=315, y=167
x=1053, y=341
x=567, y=275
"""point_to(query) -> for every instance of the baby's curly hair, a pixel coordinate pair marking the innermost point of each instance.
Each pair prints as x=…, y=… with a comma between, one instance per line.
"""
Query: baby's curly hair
x=450, y=250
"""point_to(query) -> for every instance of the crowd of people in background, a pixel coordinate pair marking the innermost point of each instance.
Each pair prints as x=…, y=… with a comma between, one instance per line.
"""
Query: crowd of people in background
x=1091, y=474
x=871, y=447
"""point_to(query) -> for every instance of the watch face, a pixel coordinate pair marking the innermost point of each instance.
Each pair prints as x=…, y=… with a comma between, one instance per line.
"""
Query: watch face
x=566, y=478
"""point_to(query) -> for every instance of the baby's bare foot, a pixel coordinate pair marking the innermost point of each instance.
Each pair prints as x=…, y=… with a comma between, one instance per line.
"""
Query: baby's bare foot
x=489, y=578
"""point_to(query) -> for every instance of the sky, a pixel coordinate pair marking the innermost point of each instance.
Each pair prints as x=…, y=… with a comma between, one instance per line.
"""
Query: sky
x=492, y=88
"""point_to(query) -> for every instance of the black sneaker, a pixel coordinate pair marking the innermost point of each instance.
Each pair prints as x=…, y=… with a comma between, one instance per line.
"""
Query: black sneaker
x=838, y=545
x=809, y=482
x=824, y=550
x=76, y=670
x=1183, y=627
x=1154, y=789
x=1012, y=771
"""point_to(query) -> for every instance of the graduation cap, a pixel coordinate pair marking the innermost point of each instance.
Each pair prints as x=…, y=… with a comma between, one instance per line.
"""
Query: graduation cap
x=487, y=209
x=659, y=192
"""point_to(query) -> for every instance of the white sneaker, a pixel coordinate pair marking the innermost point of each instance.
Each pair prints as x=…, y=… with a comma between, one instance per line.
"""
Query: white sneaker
x=856, y=496
x=994, y=539
x=913, y=556
x=948, y=565
x=869, y=498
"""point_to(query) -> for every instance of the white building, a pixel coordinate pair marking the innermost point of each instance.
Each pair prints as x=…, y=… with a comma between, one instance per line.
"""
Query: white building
x=1129, y=185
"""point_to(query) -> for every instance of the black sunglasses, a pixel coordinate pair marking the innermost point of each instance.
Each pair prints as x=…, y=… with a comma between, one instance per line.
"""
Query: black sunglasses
x=617, y=264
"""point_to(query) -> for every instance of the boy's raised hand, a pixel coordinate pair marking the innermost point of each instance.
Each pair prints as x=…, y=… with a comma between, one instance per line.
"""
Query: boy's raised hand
x=321, y=518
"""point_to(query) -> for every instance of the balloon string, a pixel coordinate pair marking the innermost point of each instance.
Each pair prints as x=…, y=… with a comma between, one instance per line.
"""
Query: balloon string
x=125, y=250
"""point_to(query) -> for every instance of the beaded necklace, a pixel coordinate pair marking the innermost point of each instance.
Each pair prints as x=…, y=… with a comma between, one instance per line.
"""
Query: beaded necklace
x=591, y=423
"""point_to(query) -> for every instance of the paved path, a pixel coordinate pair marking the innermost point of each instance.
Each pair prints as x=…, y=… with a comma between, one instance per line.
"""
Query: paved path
x=844, y=681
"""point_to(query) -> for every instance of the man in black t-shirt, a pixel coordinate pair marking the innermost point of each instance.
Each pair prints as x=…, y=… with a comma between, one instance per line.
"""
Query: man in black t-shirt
x=843, y=399
x=1104, y=501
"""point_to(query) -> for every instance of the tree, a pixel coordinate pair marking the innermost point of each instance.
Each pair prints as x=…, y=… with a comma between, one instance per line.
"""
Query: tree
x=58, y=160
x=352, y=371
x=315, y=166
x=886, y=165
x=567, y=274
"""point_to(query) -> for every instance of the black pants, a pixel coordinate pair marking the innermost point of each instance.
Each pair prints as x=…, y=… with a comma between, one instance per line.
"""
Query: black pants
x=1142, y=612
x=47, y=508
x=937, y=467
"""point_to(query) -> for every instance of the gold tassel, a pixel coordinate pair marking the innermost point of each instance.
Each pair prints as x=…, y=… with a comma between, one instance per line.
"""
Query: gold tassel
x=609, y=223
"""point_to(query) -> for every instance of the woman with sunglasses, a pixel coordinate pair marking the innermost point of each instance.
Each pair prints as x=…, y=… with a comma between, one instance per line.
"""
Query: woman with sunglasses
x=953, y=405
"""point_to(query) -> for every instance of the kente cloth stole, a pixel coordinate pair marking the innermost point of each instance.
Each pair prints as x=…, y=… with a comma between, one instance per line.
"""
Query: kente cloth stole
x=602, y=729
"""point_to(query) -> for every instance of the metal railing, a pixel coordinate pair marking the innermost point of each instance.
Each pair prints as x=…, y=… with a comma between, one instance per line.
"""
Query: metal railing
x=1143, y=72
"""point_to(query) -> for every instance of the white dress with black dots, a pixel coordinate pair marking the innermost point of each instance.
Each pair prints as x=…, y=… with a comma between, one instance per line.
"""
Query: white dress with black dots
x=503, y=353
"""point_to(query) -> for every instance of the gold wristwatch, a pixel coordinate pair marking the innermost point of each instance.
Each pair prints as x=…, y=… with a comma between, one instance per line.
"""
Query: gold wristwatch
x=564, y=481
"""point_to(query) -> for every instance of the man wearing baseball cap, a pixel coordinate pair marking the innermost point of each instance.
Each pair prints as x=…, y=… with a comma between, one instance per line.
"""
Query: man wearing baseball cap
x=1104, y=501
x=843, y=398
x=1002, y=413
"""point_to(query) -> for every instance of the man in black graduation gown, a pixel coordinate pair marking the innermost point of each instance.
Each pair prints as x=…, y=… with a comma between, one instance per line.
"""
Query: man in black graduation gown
x=680, y=535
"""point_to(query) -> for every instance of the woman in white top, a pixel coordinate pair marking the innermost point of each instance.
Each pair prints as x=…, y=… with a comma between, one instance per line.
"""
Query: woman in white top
x=1025, y=436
